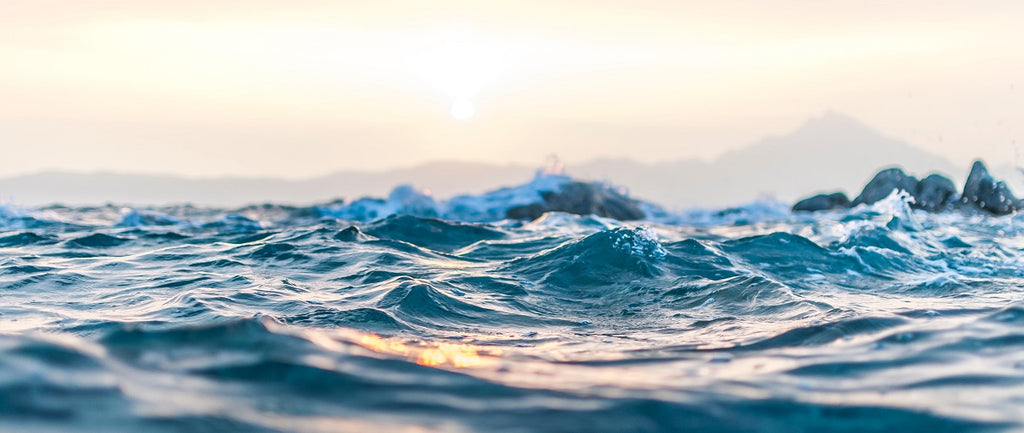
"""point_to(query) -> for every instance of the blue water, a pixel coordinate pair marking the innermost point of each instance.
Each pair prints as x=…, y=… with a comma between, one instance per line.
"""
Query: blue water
x=274, y=318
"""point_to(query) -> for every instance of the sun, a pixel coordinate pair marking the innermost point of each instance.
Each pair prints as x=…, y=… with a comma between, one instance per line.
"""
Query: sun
x=458, y=65
x=463, y=109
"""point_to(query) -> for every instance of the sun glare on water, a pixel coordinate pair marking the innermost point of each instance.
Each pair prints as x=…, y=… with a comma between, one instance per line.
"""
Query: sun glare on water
x=432, y=355
x=458, y=65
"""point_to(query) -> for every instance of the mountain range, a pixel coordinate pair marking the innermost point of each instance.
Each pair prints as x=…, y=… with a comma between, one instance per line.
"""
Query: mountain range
x=827, y=153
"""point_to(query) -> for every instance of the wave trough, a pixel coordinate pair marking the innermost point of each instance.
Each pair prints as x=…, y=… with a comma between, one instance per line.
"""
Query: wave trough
x=343, y=318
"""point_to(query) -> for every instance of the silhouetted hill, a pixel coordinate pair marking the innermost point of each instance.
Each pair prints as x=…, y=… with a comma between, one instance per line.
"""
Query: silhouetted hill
x=443, y=178
x=827, y=153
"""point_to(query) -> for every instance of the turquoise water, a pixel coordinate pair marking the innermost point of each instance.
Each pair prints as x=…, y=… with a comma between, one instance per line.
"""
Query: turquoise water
x=275, y=318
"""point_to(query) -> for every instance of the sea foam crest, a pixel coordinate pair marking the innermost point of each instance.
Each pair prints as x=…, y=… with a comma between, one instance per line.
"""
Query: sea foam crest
x=489, y=206
x=897, y=207
x=493, y=205
x=131, y=217
x=10, y=212
x=764, y=209
x=640, y=242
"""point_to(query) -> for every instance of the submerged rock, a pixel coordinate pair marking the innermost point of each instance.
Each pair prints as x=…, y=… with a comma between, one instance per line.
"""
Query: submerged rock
x=581, y=198
x=984, y=192
x=836, y=200
x=884, y=183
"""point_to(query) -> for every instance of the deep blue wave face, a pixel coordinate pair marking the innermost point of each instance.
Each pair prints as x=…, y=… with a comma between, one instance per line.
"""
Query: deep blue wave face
x=275, y=318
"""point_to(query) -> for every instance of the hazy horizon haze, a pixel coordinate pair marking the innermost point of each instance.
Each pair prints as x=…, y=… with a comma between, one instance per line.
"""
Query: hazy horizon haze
x=830, y=152
x=231, y=88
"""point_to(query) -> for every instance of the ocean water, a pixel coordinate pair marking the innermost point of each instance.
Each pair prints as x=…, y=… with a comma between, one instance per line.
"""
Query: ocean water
x=338, y=318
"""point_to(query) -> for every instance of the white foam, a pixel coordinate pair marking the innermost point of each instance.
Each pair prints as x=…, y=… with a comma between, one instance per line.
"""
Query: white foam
x=764, y=209
x=641, y=242
x=489, y=206
x=131, y=217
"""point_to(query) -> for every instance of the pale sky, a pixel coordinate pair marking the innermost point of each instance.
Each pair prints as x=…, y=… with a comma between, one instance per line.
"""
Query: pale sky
x=302, y=88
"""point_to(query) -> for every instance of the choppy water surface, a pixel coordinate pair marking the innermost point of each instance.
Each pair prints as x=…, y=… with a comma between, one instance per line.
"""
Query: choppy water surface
x=273, y=318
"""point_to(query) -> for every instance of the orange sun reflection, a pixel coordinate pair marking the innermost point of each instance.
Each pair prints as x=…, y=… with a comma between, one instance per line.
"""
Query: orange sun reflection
x=432, y=355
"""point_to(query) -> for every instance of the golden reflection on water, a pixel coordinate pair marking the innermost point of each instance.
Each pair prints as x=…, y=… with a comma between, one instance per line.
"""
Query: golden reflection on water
x=456, y=355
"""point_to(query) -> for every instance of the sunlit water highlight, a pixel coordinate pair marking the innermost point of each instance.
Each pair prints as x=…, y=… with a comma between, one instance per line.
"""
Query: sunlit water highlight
x=274, y=318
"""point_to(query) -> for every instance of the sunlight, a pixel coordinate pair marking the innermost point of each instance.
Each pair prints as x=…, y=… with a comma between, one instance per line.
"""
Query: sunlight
x=432, y=355
x=458, y=66
x=463, y=109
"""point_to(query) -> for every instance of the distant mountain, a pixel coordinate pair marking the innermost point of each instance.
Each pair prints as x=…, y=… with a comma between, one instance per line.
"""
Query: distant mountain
x=442, y=178
x=827, y=153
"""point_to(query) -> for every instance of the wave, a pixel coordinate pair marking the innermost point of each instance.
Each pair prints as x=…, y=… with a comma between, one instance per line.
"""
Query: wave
x=139, y=377
x=444, y=315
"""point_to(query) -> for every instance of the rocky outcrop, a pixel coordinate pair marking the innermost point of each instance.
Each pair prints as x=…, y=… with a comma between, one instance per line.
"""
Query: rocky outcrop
x=582, y=198
x=547, y=192
x=836, y=200
x=883, y=184
x=934, y=193
x=984, y=192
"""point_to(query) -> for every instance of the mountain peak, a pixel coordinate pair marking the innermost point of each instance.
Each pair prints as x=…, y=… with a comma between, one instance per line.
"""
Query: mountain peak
x=834, y=118
x=833, y=128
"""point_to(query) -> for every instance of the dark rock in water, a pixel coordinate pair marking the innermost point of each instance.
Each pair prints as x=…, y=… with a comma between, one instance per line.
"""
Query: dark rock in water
x=350, y=234
x=592, y=198
x=884, y=183
x=984, y=192
x=934, y=193
x=526, y=212
x=835, y=200
x=582, y=199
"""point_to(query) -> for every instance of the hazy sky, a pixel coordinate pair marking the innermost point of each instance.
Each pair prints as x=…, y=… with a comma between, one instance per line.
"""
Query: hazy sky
x=301, y=88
